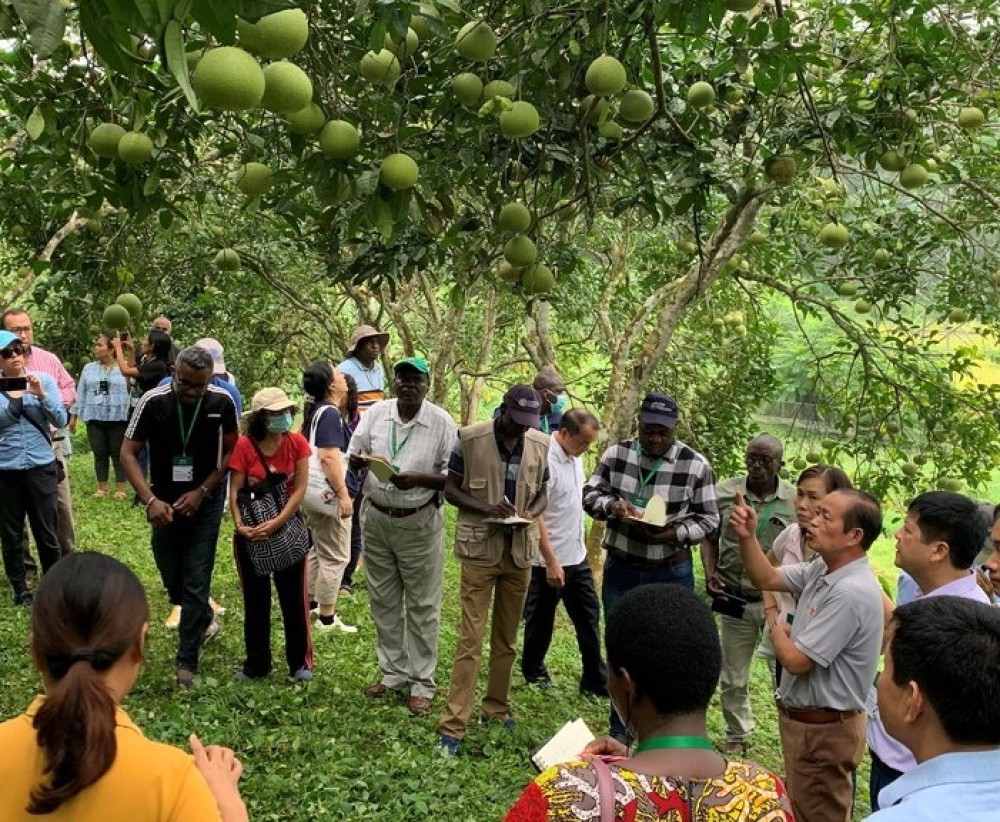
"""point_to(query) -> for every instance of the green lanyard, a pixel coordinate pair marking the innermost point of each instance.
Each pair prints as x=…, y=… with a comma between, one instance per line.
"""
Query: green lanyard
x=545, y=424
x=659, y=743
x=186, y=435
x=763, y=517
x=395, y=448
x=645, y=480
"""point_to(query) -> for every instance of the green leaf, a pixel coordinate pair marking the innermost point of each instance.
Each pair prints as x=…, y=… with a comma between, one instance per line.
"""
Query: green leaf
x=45, y=21
x=100, y=30
x=173, y=50
x=781, y=29
x=215, y=18
x=36, y=124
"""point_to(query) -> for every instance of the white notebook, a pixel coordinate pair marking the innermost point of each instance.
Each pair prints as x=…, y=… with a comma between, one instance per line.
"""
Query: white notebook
x=565, y=746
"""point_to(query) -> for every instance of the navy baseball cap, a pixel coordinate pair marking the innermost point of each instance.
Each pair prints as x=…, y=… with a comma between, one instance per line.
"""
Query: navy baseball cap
x=524, y=405
x=659, y=409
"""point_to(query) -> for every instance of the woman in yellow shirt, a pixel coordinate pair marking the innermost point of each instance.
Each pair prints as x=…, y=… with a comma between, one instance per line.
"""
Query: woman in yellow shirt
x=75, y=754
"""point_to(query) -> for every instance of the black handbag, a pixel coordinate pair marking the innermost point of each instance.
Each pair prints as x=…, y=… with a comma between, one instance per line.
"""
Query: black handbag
x=261, y=503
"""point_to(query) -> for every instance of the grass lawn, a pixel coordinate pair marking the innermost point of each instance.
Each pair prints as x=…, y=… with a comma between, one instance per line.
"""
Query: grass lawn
x=322, y=751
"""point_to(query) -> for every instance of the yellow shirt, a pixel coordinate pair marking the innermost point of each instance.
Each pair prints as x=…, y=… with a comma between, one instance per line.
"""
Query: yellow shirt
x=147, y=781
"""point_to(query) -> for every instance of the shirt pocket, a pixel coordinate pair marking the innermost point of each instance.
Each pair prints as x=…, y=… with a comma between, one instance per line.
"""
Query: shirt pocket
x=477, y=488
x=470, y=541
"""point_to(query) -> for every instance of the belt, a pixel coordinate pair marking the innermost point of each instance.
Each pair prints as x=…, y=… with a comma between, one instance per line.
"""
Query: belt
x=747, y=596
x=398, y=513
x=643, y=564
x=816, y=716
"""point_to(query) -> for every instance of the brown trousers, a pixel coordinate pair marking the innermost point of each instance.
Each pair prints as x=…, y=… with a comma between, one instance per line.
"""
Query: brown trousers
x=820, y=761
x=507, y=586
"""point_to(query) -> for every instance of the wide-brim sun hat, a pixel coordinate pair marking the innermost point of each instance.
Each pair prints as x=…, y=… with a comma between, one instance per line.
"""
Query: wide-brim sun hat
x=270, y=399
x=363, y=332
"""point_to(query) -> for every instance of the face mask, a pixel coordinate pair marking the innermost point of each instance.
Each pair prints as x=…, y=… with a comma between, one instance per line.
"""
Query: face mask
x=280, y=425
x=560, y=403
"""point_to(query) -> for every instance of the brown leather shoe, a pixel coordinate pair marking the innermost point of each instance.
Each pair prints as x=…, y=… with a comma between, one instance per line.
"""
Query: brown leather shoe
x=380, y=690
x=418, y=705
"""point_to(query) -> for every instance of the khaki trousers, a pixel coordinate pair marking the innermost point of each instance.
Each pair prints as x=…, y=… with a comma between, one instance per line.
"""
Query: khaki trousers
x=739, y=638
x=507, y=586
x=820, y=761
x=329, y=555
x=404, y=571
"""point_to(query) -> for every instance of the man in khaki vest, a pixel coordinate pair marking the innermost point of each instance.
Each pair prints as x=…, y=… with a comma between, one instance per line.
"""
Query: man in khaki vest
x=496, y=479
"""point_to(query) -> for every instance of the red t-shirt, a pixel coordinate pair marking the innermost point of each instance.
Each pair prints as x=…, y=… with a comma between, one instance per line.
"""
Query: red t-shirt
x=293, y=447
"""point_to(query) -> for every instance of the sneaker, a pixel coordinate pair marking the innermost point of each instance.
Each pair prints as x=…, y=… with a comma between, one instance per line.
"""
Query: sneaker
x=448, y=744
x=303, y=675
x=185, y=679
x=174, y=617
x=212, y=631
x=336, y=625
x=543, y=681
x=217, y=609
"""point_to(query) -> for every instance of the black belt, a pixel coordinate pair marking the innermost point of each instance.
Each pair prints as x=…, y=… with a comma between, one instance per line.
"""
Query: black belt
x=816, y=716
x=746, y=596
x=398, y=513
x=644, y=564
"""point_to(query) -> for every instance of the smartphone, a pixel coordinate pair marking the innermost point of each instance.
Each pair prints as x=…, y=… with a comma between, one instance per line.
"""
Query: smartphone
x=123, y=336
x=13, y=383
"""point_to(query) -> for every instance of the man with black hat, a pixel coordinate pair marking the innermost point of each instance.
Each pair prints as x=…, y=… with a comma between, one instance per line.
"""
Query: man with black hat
x=403, y=529
x=497, y=479
x=629, y=476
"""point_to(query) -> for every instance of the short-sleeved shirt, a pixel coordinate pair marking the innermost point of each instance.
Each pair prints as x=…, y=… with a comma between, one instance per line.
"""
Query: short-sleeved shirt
x=775, y=512
x=564, y=512
x=155, y=422
x=511, y=462
x=151, y=372
x=292, y=448
x=147, y=780
x=838, y=625
x=329, y=428
x=371, y=381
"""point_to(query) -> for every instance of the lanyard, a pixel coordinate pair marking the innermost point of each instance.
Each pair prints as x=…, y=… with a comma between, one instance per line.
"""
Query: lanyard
x=659, y=743
x=395, y=448
x=763, y=518
x=186, y=435
x=645, y=480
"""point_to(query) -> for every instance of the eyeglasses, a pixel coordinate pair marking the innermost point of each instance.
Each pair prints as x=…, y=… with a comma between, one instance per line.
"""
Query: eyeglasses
x=20, y=329
x=12, y=351
x=759, y=459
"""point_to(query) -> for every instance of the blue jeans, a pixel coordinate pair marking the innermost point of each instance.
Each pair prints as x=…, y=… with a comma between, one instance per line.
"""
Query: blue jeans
x=619, y=579
x=184, y=551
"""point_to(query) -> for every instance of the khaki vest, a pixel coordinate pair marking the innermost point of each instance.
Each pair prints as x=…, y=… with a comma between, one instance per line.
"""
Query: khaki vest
x=482, y=543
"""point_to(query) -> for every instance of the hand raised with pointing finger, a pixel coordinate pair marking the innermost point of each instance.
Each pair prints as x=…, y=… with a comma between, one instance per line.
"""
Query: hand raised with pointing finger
x=742, y=518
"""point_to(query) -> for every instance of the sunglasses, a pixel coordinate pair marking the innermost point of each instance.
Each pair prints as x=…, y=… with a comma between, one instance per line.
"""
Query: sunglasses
x=12, y=351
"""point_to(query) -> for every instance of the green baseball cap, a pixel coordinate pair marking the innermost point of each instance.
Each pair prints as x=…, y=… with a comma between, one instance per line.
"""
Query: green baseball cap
x=416, y=363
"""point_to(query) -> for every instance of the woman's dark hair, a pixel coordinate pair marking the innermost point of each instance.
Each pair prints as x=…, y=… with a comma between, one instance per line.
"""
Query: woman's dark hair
x=256, y=425
x=666, y=639
x=834, y=477
x=160, y=343
x=351, y=409
x=316, y=381
x=88, y=612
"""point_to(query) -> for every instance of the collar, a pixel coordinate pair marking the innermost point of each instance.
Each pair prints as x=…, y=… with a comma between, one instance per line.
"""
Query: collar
x=418, y=418
x=850, y=569
x=362, y=366
x=960, y=767
x=670, y=456
x=784, y=490
x=966, y=587
x=560, y=452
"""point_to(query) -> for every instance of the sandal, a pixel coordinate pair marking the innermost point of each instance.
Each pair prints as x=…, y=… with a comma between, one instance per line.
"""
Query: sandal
x=100, y=493
x=120, y=495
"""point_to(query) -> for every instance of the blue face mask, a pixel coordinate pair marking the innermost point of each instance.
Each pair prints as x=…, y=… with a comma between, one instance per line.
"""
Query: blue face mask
x=280, y=425
x=559, y=404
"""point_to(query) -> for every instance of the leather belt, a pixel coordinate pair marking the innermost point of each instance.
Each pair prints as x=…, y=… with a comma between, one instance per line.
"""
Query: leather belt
x=399, y=513
x=748, y=596
x=644, y=564
x=816, y=716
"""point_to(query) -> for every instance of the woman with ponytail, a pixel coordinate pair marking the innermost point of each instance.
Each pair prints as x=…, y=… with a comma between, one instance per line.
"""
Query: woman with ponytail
x=75, y=754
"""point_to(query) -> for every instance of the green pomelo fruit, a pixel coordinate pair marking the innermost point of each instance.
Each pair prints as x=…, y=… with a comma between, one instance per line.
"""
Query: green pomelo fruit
x=605, y=76
x=611, y=131
x=307, y=120
x=275, y=36
x=514, y=217
x=538, y=279
x=909, y=469
x=116, y=317
x=132, y=304
x=971, y=118
x=339, y=139
x=509, y=273
x=829, y=444
x=734, y=95
x=958, y=315
x=468, y=88
x=701, y=95
x=398, y=171
x=381, y=68
x=104, y=139
x=520, y=251
x=913, y=176
x=863, y=307
x=253, y=179
x=476, y=41
x=593, y=109
x=881, y=256
x=227, y=260
x=636, y=106
x=833, y=235
x=229, y=79
x=950, y=484
x=847, y=289
x=497, y=88
x=892, y=160
x=521, y=120
x=287, y=88
x=757, y=238
x=781, y=168
x=920, y=459
x=405, y=48
x=135, y=148
x=799, y=464
x=814, y=456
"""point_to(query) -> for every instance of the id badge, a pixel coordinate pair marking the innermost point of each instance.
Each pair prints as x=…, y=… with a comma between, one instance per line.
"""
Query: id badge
x=639, y=501
x=183, y=469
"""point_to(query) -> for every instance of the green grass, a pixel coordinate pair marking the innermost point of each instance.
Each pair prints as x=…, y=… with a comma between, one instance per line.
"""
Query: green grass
x=323, y=751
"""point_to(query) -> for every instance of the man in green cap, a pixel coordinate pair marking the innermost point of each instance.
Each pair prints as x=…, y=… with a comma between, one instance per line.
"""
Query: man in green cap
x=403, y=529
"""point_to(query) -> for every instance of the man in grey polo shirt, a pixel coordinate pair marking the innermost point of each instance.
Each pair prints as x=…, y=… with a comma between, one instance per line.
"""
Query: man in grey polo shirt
x=830, y=654
x=403, y=530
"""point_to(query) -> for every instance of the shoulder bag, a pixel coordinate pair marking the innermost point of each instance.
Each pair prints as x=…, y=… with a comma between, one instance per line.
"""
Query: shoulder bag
x=605, y=789
x=261, y=503
x=319, y=498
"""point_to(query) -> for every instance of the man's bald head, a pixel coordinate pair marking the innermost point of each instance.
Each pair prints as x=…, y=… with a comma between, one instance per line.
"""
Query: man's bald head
x=163, y=324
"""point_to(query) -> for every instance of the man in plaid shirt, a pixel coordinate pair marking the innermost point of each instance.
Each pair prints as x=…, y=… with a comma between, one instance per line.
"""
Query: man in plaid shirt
x=629, y=474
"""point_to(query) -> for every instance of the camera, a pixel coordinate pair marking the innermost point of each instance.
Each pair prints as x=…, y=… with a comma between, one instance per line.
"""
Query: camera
x=13, y=383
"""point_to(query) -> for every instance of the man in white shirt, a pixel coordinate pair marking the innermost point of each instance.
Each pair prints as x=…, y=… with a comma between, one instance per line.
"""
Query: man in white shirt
x=403, y=529
x=562, y=572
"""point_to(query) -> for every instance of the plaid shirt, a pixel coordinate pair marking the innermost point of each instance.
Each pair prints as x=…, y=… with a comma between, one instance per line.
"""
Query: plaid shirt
x=684, y=479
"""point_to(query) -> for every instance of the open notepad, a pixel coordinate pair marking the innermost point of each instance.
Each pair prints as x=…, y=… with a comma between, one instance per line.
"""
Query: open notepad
x=511, y=520
x=565, y=746
x=379, y=466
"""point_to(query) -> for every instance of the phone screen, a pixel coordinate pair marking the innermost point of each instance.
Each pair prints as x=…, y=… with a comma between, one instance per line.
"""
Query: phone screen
x=13, y=383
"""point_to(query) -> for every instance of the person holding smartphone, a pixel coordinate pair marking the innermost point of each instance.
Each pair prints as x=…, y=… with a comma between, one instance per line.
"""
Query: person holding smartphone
x=29, y=477
x=102, y=404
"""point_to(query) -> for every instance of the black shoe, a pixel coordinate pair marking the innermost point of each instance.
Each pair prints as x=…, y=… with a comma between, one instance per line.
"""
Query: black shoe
x=599, y=691
x=543, y=681
x=23, y=598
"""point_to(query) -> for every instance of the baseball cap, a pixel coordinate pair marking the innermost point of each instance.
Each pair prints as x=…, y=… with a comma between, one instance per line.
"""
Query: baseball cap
x=416, y=363
x=659, y=409
x=524, y=405
x=6, y=338
x=214, y=347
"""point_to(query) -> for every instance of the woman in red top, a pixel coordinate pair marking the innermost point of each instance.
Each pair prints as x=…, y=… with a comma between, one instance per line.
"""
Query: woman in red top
x=268, y=430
